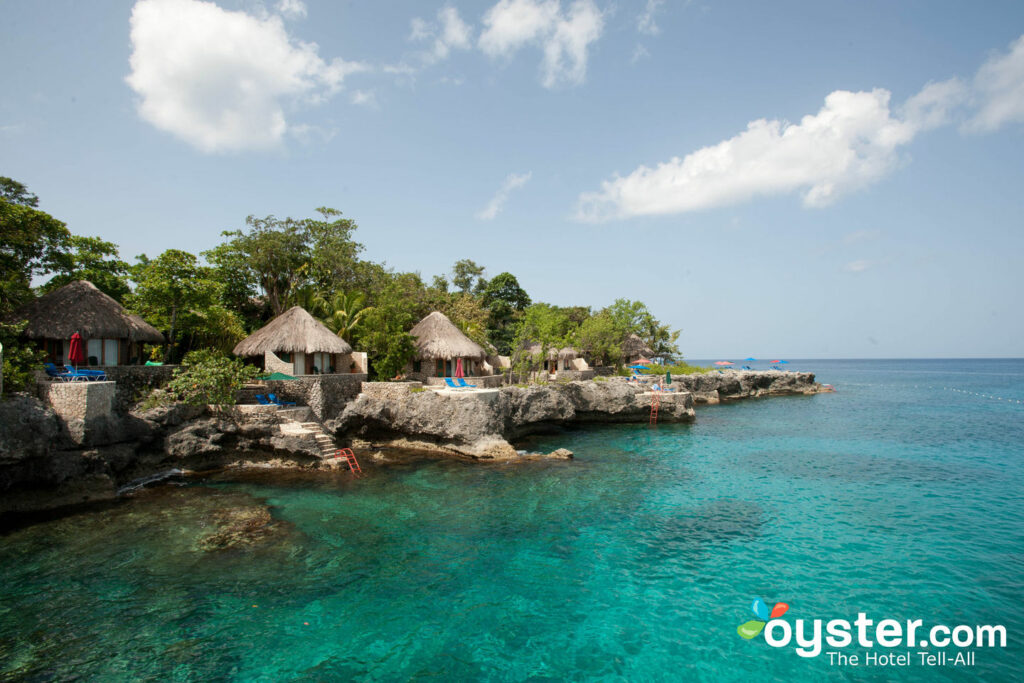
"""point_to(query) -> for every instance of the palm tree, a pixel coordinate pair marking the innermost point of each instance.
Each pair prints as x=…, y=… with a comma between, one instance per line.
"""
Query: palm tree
x=344, y=312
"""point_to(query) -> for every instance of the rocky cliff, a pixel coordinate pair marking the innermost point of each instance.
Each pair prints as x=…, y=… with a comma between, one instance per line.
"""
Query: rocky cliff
x=480, y=424
x=46, y=462
x=730, y=385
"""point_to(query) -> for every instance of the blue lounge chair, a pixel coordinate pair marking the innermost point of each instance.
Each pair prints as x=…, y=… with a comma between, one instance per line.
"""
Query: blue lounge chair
x=451, y=384
x=278, y=402
x=53, y=372
x=463, y=385
x=85, y=375
x=262, y=400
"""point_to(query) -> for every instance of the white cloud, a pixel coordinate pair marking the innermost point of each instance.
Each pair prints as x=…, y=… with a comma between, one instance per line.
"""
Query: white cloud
x=292, y=9
x=222, y=80
x=851, y=142
x=639, y=53
x=365, y=98
x=564, y=37
x=999, y=90
x=512, y=182
x=448, y=32
x=857, y=266
x=645, y=22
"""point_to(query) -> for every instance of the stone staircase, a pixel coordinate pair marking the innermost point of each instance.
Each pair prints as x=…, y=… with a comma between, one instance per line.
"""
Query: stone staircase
x=325, y=443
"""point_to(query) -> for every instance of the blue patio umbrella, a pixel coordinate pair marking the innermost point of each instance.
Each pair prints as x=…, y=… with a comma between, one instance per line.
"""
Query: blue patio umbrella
x=749, y=359
x=784, y=362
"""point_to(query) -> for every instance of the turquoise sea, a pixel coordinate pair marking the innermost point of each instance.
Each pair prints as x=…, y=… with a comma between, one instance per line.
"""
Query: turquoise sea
x=901, y=495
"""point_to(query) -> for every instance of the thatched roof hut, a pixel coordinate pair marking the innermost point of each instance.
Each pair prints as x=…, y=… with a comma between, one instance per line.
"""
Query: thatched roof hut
x=81, y=307
x=294, y=331
x=635, y=347
x=437, y=338
x=565, y=353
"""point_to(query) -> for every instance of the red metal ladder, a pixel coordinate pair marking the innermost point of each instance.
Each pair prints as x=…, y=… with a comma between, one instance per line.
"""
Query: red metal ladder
x=655, y=404
x=350, y=458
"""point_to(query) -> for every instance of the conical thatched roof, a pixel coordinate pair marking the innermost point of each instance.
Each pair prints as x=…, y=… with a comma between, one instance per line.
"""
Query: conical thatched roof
x=438, y=337
x=80, y=307
x=635, y=346
x=293, y=331
x=566, y=353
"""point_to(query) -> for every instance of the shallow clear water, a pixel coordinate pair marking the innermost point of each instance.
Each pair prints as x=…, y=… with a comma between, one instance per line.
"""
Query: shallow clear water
x=898, y=496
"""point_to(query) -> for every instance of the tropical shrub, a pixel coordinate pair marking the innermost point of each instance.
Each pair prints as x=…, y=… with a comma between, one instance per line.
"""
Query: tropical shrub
x=210, y=377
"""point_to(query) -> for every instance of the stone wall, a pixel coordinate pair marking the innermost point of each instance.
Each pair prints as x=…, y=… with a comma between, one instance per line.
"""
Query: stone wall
x=389, y=390
x=85, y=408
x=326, y=395
x=272, y=363
x=134, y=382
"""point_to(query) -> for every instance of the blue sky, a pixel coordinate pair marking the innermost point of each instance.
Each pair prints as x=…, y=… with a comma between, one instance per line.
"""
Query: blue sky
x=775, y=179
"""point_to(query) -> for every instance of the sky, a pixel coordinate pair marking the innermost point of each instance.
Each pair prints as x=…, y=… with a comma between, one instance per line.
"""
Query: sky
x=788, y=179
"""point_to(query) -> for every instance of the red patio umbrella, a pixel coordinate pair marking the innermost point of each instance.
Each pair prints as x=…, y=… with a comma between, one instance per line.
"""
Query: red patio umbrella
x=458, y=369
x=722, y=362
x=76, y=354
x=642, y=361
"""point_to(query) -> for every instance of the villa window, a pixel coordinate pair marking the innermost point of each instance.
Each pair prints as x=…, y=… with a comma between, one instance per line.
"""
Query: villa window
x=417, y=366
x=439, y=367
x=104, y=351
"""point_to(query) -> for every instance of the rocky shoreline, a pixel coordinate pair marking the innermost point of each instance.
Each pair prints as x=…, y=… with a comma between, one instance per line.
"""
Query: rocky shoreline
x=47, y=463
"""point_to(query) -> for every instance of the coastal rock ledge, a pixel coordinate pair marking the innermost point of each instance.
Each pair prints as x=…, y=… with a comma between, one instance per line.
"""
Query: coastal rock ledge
x=480, y=424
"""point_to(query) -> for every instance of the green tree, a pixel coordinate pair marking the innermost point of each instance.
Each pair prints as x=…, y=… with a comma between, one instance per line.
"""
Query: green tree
x=543, y=324
x=279, y=257
x=182, y=298
x=505, y=300
x=600, y=339
x=344, y=312
x=384, y=330
x=466, y=312
x=32, y=243
x=468, y=276
x=95, y=260
x=210, y=377
x=20, y=359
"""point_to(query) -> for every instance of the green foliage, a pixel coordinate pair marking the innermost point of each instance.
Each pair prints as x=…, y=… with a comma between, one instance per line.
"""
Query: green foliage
x=94, y=260
x=542, y=324
x=599, y=338
x=468, y=276
x=384, y=331
x=633, y=317
x=210, y=377
x=16, y=193
x=465, y=311
x=32, y=243
x=281, y=256
x=21, y=358
x=504, y=300
x=676, y=369
x=344, y=312
x=182, y=298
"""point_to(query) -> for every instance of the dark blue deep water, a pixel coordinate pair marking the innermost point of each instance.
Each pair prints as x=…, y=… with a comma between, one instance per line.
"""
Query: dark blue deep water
x=898, y=496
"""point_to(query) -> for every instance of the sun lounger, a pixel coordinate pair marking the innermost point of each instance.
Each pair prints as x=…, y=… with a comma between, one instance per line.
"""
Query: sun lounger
x=53, y=372
x=262, y=400
x=463, y=385
x=278, y=402
x=451, y=383
x=84, y=375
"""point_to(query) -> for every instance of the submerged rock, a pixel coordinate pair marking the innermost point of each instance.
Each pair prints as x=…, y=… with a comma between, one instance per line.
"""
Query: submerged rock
x=238, y=527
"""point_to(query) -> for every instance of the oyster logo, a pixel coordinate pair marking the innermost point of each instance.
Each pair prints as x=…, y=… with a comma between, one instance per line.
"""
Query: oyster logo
x=759, y=607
